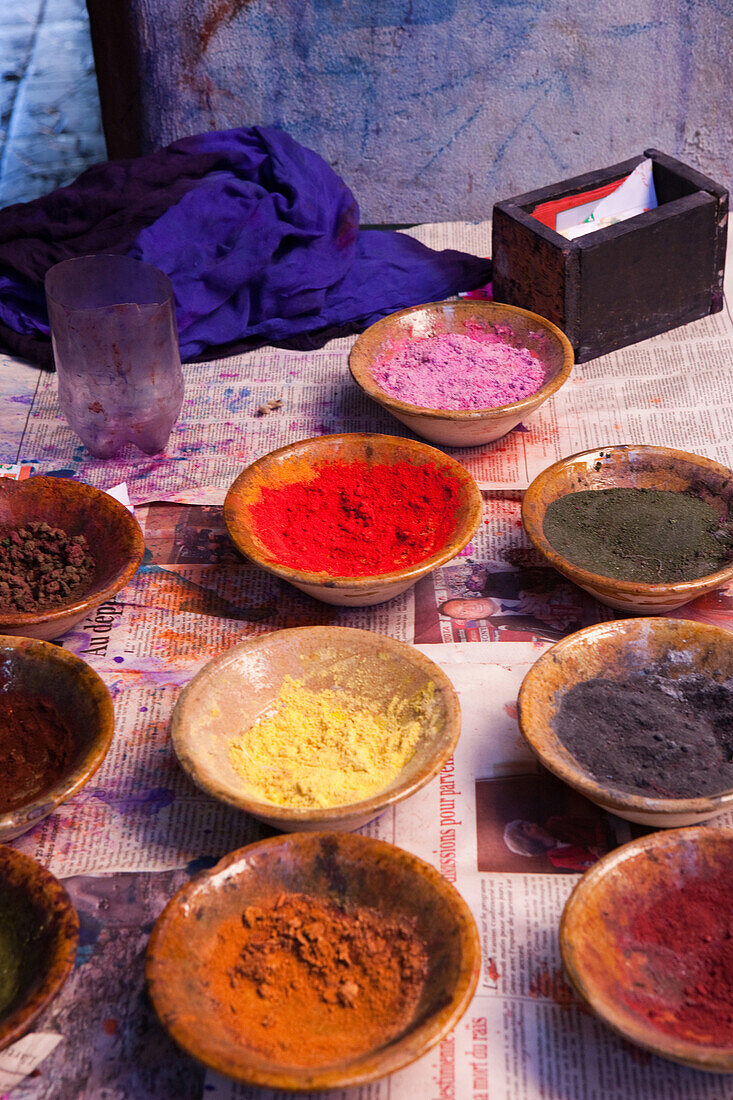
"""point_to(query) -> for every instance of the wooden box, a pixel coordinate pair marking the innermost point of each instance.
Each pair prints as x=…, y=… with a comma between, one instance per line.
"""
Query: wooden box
x=627, y=281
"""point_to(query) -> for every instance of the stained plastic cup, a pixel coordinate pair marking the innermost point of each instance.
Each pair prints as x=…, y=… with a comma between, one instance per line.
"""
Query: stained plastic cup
x=115, y=345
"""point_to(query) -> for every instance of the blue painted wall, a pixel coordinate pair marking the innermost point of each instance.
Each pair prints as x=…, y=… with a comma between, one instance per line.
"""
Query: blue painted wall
x=434, y=109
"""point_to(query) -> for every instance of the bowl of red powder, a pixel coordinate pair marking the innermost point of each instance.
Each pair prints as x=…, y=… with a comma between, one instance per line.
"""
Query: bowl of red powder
x=647, y=940
x=353, y=519
x=65, y=548
x=637, y=715
x=313, y=961
x=56, y=725
x=641, y=528
x=461, y=373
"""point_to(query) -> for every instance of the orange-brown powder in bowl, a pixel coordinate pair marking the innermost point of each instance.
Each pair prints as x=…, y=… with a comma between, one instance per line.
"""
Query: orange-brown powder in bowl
x=307, y=983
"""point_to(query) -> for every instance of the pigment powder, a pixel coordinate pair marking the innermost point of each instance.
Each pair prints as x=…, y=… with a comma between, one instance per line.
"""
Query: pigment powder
x=650, y=734
x=308, y=983
x=42, y=566
x=646, y=535
x=36, y=747
x=327, y=748
x=353, y=519
x=685, y=939
x=458, y=371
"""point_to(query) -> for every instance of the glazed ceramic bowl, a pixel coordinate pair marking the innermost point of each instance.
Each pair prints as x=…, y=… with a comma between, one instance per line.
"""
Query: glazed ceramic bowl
x=296, y=462
x=352, y=871
x=616, y=650
x=231, y=692
x=113, y=536
x=39, y=931
x=463, y=427
x=630, y=467
x=604, y=961
x=42, y=671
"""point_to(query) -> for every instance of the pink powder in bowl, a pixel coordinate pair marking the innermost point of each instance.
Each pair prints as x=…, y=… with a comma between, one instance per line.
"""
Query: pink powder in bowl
x=458, y=372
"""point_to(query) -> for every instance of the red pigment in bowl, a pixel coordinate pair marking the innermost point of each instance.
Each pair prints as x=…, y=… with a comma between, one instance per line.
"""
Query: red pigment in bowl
x=355, y=520
x=685, y=985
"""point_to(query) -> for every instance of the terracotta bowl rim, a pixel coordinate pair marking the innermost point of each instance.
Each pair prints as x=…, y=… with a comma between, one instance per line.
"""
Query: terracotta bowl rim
x=367, y=1067
x=58, y=903
x=88, y=681
x=570, y=770
x=584, y=577
x=251, y=547
x=81, y=604
x=365, y=380
x=712, y=1059
x=325, y=816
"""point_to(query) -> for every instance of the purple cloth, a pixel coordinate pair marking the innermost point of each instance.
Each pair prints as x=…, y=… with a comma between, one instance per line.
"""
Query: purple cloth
x=259, y=237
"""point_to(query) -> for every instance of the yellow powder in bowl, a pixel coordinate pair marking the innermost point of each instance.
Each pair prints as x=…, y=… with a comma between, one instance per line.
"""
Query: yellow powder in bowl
x=327, y=748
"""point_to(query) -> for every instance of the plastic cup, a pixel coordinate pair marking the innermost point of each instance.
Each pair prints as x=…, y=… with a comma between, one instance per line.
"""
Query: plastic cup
x=115, y=345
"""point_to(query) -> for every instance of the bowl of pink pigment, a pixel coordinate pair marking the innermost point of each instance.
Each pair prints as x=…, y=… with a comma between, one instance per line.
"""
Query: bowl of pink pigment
x=637, y=716
x=353, y=519
x=647, y=941
x=461, y=373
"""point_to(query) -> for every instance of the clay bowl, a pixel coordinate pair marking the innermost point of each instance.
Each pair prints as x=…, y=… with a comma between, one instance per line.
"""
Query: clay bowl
x=463, y=427
x=39, y=670
x=350, y=870
x=603, y=960
x=296, y=462
x=113, y=535
x=637, y=467
x=231, y=692
x=614, y=650
x=39, y=931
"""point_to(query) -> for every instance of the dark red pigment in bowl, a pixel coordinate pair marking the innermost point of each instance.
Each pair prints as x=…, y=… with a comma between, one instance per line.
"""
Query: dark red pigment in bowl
x=684, y=986
x=36, y=747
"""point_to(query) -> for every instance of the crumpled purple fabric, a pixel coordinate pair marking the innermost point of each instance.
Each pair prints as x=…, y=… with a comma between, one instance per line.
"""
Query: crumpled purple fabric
x=258, y=235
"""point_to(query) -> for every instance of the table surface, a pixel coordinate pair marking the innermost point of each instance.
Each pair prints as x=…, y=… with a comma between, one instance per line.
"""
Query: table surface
x=139, y=830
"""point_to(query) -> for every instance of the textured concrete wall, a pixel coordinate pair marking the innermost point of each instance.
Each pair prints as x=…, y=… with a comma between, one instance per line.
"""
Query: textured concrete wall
x=435, y=108
x=429, y=108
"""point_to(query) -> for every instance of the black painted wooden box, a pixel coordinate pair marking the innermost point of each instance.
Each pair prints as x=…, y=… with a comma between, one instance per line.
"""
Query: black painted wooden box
x=625, y=282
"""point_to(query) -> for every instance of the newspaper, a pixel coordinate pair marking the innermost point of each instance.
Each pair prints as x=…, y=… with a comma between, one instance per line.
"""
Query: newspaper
x=139, y=829
x=675, y=389
x=524, y=1037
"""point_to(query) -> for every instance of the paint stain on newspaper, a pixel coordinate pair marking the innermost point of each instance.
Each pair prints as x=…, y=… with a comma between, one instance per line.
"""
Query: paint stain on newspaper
x=553, y=985
x=491, y=971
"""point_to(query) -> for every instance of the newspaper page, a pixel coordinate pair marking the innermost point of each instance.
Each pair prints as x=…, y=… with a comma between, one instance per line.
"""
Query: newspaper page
x=675, y=389
x=194, y=597
x=524, y=1036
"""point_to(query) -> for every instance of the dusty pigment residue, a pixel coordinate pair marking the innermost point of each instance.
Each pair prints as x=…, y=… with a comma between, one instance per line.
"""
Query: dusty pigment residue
x=306, y=982
x=646, y=535
x=457, y=371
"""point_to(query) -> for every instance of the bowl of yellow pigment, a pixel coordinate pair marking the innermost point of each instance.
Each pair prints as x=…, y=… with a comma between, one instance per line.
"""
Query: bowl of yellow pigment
x=316, y=727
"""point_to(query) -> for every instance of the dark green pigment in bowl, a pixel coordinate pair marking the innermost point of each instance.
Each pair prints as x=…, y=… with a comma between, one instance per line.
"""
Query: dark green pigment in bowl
x=651, y=734
x=647, y=535
x=10, y=962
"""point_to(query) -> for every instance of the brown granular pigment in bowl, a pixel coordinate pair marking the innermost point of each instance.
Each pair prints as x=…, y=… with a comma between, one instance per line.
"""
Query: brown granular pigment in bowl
x=42, y=566
x=308, y=983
